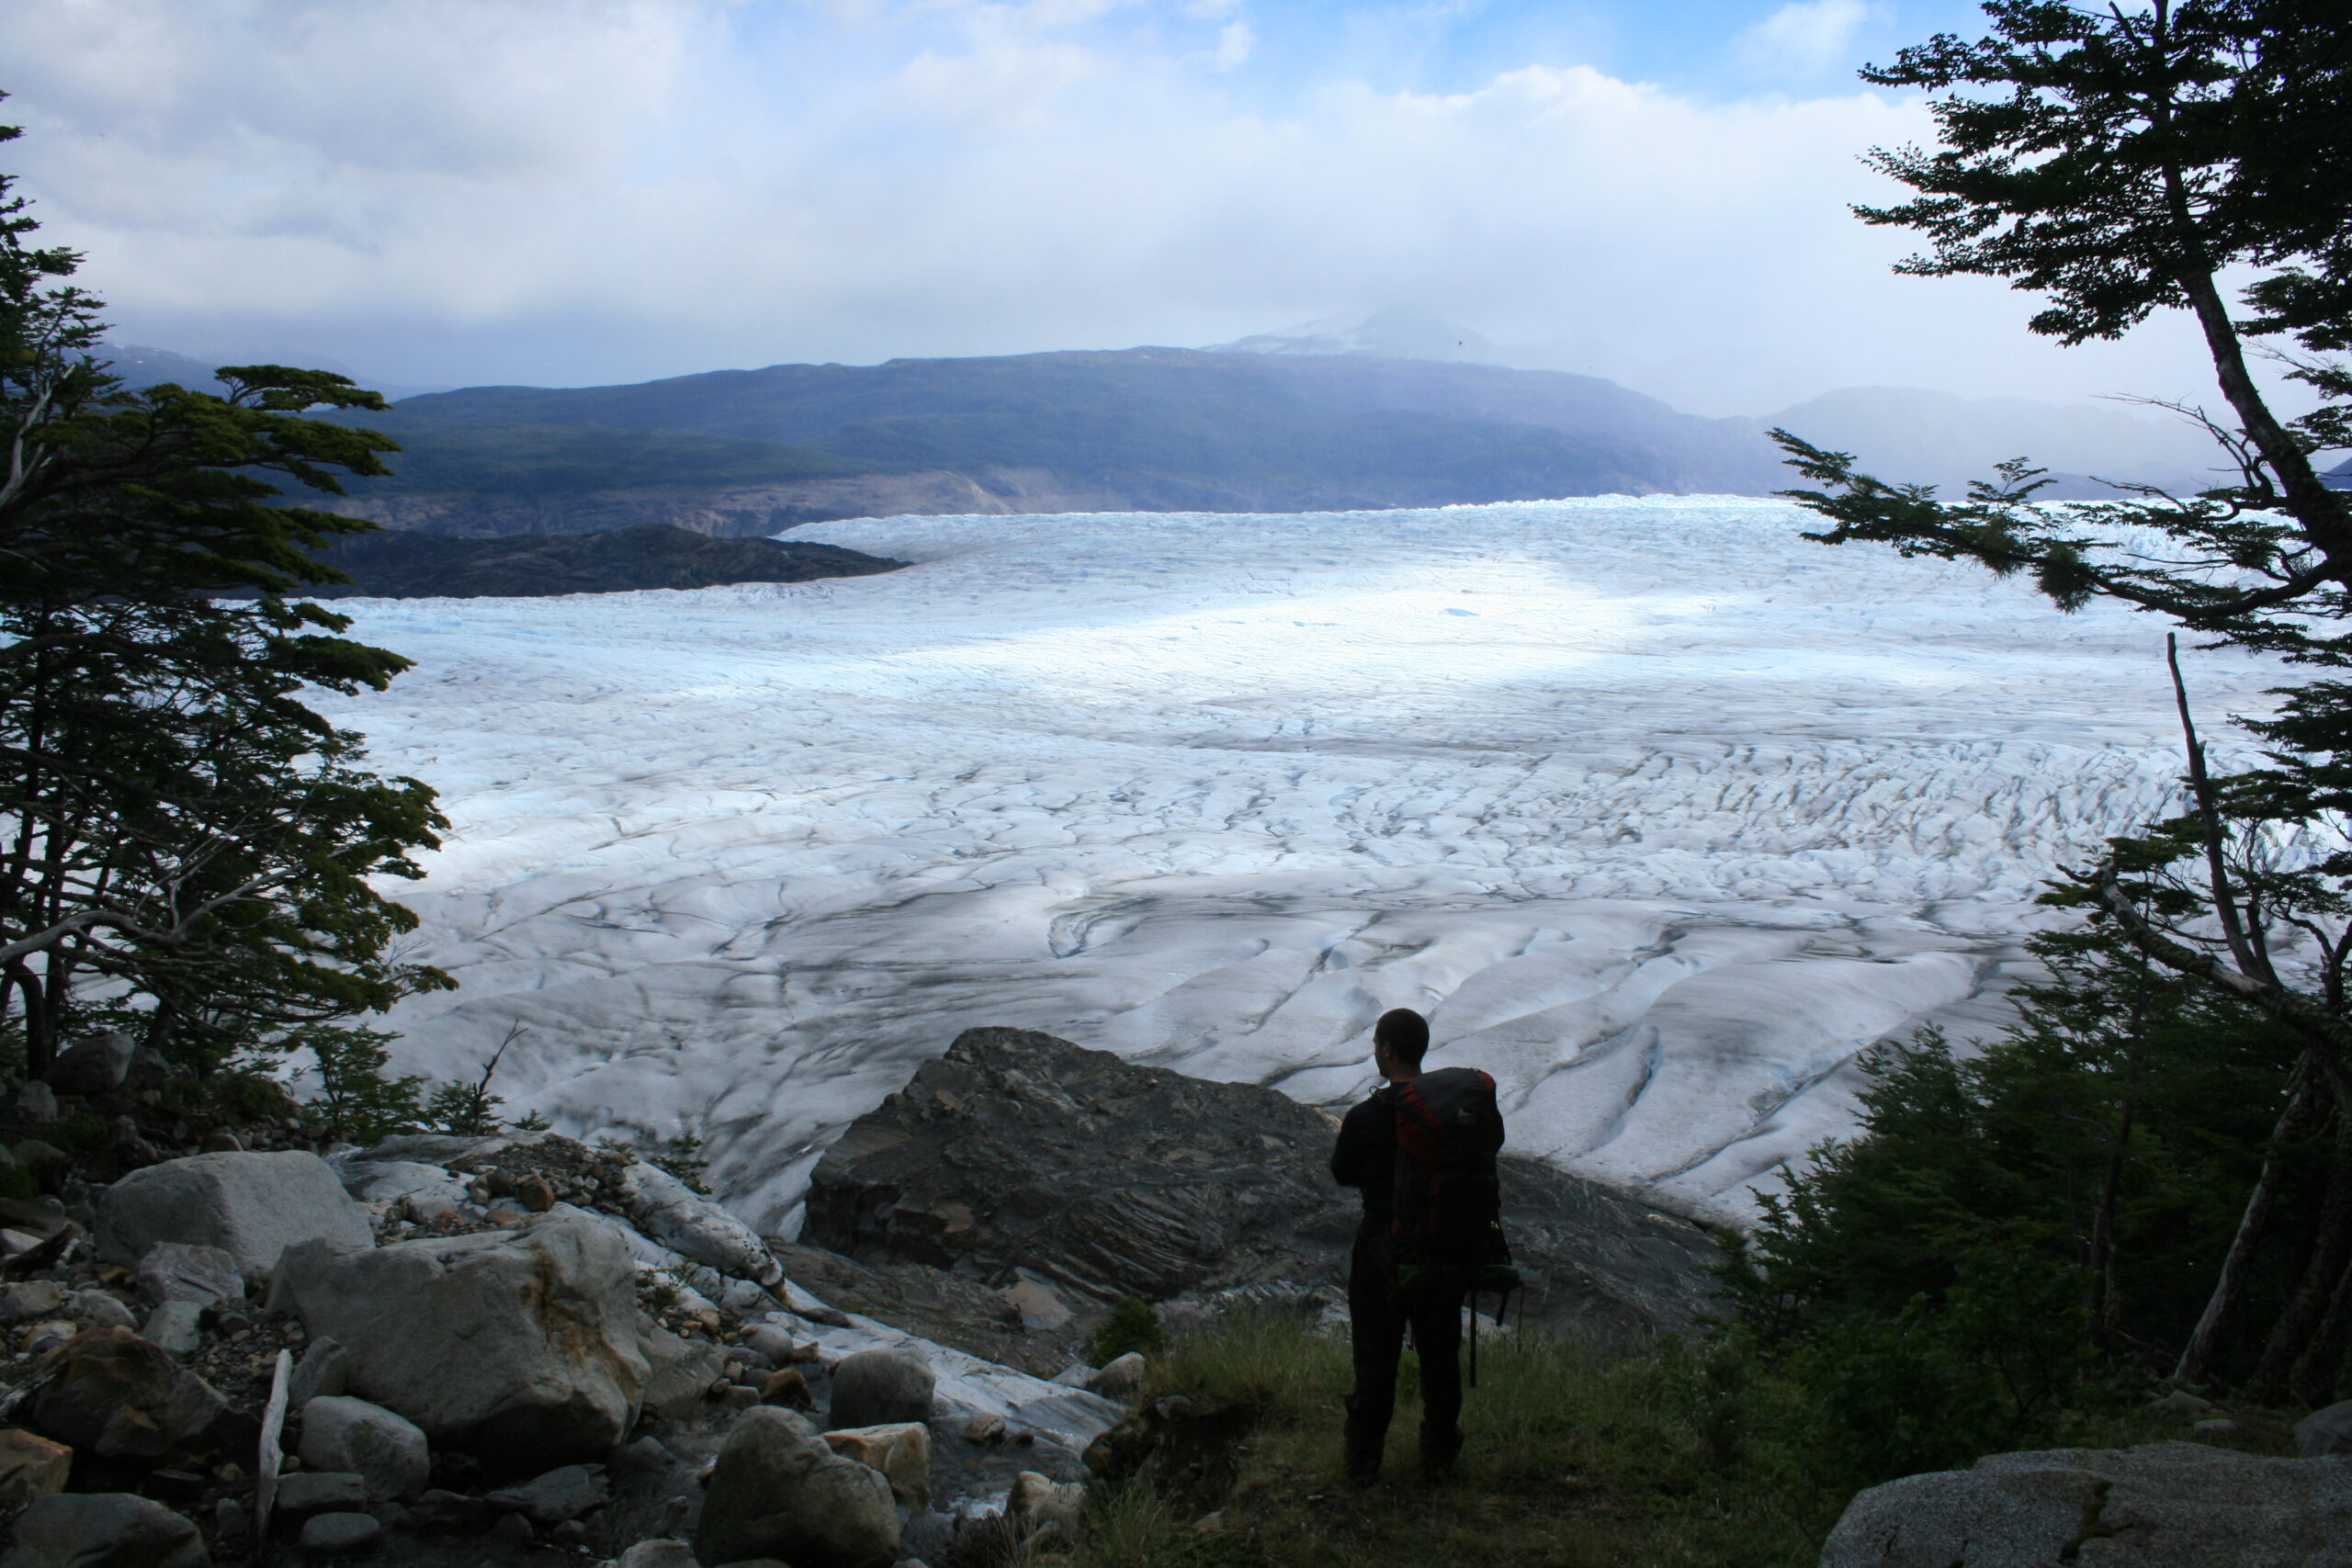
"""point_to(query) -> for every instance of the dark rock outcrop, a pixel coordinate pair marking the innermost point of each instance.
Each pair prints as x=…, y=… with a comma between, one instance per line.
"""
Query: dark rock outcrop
x=1019, y=1150
x=412, y=565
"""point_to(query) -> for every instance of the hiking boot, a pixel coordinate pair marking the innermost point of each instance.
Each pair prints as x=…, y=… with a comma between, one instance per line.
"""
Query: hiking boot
x=1438, y=1454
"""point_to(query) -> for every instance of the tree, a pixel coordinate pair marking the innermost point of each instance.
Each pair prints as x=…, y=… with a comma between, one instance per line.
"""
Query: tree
x=177, y=821
x=2118, y=162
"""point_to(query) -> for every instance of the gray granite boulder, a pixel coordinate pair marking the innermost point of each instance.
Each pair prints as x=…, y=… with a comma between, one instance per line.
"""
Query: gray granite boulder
x=881, y=1388
x=2327, y=1431
x=520, y=1348
x=251, y=1206
x=177, y=1272
x=778, y=1491
x=389, y=1453
x=92, y=1066
x=104, y=1529
x=2159, y=1505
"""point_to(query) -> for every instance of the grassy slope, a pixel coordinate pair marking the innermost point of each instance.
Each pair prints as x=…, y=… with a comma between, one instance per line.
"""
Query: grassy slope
x=1658, y=1460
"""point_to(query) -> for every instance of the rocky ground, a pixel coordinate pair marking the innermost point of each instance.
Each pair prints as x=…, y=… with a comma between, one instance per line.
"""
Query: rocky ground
x=228, y=1339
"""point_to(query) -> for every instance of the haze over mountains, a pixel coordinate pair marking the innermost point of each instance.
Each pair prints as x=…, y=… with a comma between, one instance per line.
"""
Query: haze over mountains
x=1399, y=409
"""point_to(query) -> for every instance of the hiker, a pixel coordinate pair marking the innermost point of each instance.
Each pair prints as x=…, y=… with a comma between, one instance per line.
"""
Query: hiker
x=1430, y=1234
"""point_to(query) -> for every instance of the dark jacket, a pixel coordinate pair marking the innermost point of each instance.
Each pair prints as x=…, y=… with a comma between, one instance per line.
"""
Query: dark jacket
x=1365, y=1158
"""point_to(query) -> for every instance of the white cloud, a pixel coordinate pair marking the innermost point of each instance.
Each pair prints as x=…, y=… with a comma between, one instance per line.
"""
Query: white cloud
x=443, y=190
x=1233, y=43
x=1806, y=37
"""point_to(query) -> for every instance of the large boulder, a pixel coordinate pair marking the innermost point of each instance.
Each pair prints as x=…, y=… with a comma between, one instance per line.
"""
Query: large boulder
x=2327, y=1431
x=352, y=1436
x=1019, y=1151
x=668, y=1211
x=251, y=1206
x=881, y=1388
x=104, y=1529
x=901, y=1453
x=777, y=1491
x=520, y=1348
x=109, y=1392
x=93, y=1066
x=2159, y=1505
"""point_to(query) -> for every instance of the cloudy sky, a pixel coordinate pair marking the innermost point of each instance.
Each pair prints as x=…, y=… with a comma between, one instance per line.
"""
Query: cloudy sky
x=444, y=192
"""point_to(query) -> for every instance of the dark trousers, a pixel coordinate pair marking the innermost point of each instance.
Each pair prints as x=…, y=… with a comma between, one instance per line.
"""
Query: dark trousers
x=1377, y=1322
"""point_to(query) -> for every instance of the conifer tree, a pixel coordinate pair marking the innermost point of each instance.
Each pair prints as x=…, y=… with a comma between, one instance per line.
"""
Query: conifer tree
x=2118, y=162
x=174, y=817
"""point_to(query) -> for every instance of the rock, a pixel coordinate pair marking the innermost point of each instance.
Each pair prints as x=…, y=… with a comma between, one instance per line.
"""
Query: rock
x=340, y=1433
x=679, y=1372
x=1038, y=1505
x=669, y=1212
x=514, y=1529
x=43, y=1338
x=1018, y=1150
x=901, y=1454
x=984, y=1430
x=1121, y=1378
x=2327, y=1431
x=323, y=1371
x=531, y=1190
x=340, y=1535
x=104, y=1529
x=30, y=1467
x=2180, y=1401
x=786, y=1387
x=1078, y=1374
x=177, y=1327
x=31, y=1301
x=175, y=1271
x=452, y=1513
x=881, y=1388
x=777, y=1491
x=562, y=1493
x=35, y=1101
x=93, y=1066
x=95, y=1309
x=391, y=1181
x=111, y=1393
x=517, y=1346
x=2217, y=1427
x=2163, y=1505
x=252, y=1206
x=321, y=1490
x=778, y=1346
x=657, y=1554
x=220, y=1141
x=1040, y=1305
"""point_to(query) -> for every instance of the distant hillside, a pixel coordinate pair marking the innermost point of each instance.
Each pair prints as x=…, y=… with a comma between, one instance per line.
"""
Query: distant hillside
x=747, y=452
x=416, y=566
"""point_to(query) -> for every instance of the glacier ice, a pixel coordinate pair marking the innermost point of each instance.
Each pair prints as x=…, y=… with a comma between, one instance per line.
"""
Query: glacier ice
x=1661, y=811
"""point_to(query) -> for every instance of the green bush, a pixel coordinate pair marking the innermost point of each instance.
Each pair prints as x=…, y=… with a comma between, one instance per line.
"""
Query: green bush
x=18, y=1182
x=1132, y=1325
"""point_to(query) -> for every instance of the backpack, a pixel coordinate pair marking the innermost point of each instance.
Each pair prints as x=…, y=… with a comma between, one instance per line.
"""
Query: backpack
x=1448, y=1228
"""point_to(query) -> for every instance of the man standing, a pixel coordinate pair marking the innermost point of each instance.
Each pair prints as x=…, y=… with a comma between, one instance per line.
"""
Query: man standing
x=1421, y=1151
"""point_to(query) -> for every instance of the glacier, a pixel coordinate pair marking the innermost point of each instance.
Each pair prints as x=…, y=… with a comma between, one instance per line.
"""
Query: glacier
x=1660, y=811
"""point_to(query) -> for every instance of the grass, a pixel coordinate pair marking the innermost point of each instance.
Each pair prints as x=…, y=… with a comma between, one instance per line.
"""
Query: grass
x=1674, y=1458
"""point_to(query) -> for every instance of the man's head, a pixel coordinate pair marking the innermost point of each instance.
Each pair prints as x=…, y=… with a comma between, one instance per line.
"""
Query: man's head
x=1399, y=1041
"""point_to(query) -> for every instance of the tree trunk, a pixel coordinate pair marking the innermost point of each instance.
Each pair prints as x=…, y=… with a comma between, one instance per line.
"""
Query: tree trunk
x=2314, y=1371
x=2295, y=1118
x=2330, y=1248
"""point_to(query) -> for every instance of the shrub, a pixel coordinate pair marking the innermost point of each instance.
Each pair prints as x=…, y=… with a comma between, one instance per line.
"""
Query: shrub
x=1131, y=1325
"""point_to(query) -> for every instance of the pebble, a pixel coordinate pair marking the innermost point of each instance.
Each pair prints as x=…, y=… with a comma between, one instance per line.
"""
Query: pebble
x=2218, y=1426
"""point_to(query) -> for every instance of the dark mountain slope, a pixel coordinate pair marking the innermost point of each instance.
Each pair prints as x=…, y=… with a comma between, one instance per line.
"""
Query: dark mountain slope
x=416, y=566
x=748, y=451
